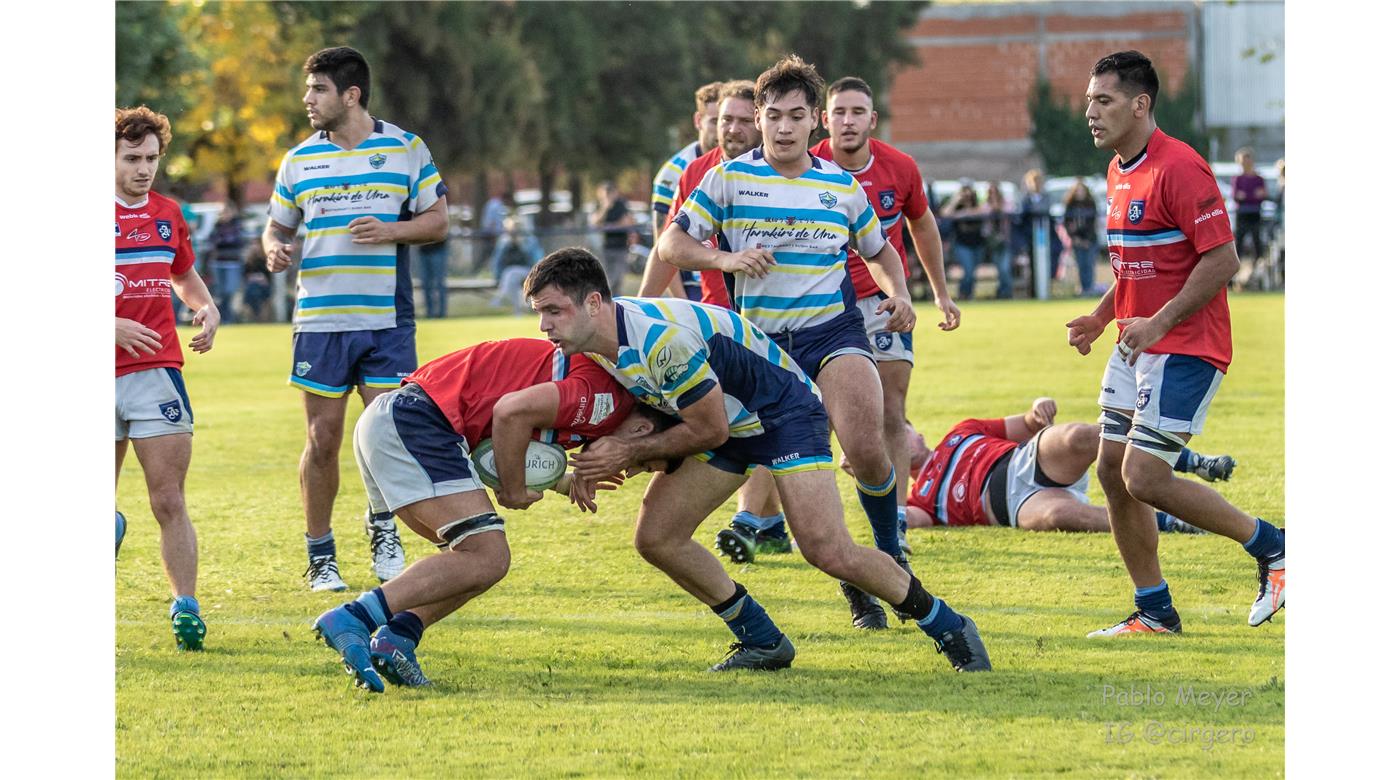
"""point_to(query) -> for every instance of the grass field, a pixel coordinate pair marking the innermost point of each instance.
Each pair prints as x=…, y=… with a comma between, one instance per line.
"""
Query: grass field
x=587, y=662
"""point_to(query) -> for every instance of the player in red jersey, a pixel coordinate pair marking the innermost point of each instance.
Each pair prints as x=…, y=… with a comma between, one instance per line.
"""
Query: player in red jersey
x=153, y=410
x=1023, y=471
x=412, y=446
x=1173, y=254
x=738, y=133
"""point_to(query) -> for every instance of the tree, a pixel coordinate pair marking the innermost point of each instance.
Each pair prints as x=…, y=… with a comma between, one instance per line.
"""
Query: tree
x=154, y=64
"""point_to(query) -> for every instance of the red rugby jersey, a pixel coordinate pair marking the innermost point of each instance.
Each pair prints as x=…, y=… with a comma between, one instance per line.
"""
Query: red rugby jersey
x=712, y=288
x=949, y=486
x=153, y=244
x=895, y=189
x=1164, y=212
x=466, y=385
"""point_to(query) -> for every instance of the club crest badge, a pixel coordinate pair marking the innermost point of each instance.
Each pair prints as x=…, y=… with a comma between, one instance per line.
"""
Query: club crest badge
x=377, y=161
x=164, y=230
x=884, y=340
x=1136, y=210
x=953, y=441
x=303, y=368
x=1144, y=397
x=827, y=200
x=170, y=410
x=887, y=199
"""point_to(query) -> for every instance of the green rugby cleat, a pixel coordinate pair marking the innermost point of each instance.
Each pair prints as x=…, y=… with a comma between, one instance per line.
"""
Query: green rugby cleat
x=189, y=630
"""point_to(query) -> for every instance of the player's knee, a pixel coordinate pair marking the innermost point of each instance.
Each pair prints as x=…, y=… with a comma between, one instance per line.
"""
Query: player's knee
x=1110, y=473
x=1142, y=481
x=869, y=460
x=323, y=440
x=653, y=546
x=168, y=505
x=1084, y=440
x=829, y=556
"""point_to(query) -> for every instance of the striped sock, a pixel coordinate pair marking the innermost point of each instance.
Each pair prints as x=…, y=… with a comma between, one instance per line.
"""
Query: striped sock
x=881, y=507
x=747, y=619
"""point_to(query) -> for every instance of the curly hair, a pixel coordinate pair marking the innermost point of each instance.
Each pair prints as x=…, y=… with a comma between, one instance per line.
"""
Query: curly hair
x=134, y=124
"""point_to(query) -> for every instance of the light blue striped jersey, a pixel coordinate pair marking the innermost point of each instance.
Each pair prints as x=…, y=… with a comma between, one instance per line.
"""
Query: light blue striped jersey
x=342, y=285
x=807, y=223
x=672, y=352
x=663, y=186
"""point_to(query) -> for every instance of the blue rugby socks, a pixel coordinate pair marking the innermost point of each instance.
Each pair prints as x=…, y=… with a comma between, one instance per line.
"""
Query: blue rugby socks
x=371, y=608
x=321, y=545
x=1267, y=541
x=747, y=619
x=407, y=625
x=881, y=506
x=1156, y=602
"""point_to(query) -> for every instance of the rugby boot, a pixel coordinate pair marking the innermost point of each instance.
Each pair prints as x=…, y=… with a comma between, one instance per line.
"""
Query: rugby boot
x=394, y=658
x=739, y=542
x=1215, y=468
x=345, y=634
x=121, y=531
x=964, y=649
x=778, y=655
x=1140, y=623
x=385, y=547
x=189, y=630
x=322, y=573
x=866, y=612
x=1270, y=599
x=774, y=542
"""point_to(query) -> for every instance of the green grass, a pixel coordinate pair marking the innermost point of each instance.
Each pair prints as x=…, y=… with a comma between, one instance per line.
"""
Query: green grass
x=587, y=662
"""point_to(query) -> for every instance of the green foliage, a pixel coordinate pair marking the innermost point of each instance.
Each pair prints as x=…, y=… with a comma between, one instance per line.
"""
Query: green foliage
x=154, y=62
x=585, y=661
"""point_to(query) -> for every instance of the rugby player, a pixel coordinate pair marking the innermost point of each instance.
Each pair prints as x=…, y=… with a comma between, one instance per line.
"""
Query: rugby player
x=153, y=410
x=663, y=185
x=742, y=402
x=1173, y=254
x=365, y=190
x=412, y=446
x=785, y=219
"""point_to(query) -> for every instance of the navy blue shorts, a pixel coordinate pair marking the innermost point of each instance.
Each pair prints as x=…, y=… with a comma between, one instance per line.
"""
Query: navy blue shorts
x=800, y=441
x=812, y=348
x=329, y=364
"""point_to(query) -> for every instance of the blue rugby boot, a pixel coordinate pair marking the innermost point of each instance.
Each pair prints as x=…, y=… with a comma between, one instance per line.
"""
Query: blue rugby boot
x=394, y=658
x=347, y=635
x=121, y=531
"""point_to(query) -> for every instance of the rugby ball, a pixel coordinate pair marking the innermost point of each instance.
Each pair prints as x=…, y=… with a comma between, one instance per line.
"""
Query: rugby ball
x=544, y=464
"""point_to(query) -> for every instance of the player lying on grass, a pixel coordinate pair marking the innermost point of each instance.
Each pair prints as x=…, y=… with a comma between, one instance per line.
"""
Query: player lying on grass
x=742, y=402
x=413, y=445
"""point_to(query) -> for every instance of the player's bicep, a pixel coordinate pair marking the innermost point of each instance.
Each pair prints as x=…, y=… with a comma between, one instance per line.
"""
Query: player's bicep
x=428, y=187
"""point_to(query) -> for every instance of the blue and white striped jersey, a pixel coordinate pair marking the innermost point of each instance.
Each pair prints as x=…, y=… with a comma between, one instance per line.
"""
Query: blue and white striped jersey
x=672, y=352
x=806, y=222
x=343, y=285
x=663, y=187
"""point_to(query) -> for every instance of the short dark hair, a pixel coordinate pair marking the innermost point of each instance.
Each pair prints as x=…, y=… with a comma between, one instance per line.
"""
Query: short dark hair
x=344, y=66
x=1134, y=71
x=707, y=94
x=574, y=270
x=788, y=74
x=849, y=84
x=134, y=124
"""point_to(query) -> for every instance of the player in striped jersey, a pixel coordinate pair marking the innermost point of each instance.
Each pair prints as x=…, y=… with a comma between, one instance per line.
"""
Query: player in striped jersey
x=742, y=402
x=784, y=219
x=365, y=190
x=153, y=259
x=663, y=186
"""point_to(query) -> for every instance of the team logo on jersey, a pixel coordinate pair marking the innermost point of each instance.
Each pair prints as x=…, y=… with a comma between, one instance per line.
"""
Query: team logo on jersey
x=1136, y=210
x=1144, y=396
x=164, y=230
x=673, y=373
x=121, y=284
x=137, y=236
x=303, y=368
x=884, y=340
x=663, y=357
x=887, y=199
x=954, y=440
x=960, y=491
x=377, y=161
x=827, y=200
x=170, y=410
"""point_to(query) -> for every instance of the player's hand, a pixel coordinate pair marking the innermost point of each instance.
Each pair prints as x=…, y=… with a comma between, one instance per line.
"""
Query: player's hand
x=603, y=458
x=521, y=500
x=208, y=319
x=279, y=256
x=1083, y=331
x=1043, y=412
x=901, y=314
x=1136, y=335
x=753, y=263
x=846, y=465
x=369, y=230
x=136, y=338
x=952, y=315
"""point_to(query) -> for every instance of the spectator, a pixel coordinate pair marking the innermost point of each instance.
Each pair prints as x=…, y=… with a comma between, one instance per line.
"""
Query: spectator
x=257, y=283
x=612, y=217
x=970, y=240
x=1249, y=193
x=516, y=252
x=432, y=272
x=227, y=253
x=489, y=228
x=1035, y=206
x=998, y=232
x=1082, y=228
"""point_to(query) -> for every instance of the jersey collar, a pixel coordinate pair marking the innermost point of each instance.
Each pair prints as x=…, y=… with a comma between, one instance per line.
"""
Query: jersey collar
x=378, y=130
x=139, y=205
x=1128, y=166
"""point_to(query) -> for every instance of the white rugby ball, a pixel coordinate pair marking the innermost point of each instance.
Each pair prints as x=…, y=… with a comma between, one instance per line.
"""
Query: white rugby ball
x=544, y=464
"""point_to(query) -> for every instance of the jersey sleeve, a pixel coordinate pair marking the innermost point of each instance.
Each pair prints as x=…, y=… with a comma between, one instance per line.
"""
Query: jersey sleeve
x=1194, y=202
x=702, y=214
x=679, y=363
x=591, y=402
x=184, y=250
x=915, y=200
x=427, y=184
x=282, y=206
x=994, y=427
x=663, y=187
x=867, y=237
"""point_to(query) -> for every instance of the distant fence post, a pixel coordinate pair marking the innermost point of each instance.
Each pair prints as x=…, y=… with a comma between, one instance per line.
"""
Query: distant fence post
x=1040, y=255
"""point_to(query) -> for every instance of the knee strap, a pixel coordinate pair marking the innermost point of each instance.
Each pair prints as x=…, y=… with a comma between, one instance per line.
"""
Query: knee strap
x=1164, y=444
x=1115, y=426
x=457, y=530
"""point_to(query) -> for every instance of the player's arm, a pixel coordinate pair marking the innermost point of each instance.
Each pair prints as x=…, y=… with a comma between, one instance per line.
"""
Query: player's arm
x=1215, y=270
x=916, y=517
x=1083, y=331
x=194, y=294
x=682, y=250
x=1021, y=427
x=888, y=272
x=135, y=338
x=277, y=245
x=929, y=247
x=704, y=426
x=428, y=226
x=513, y=419
x=660, y=277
